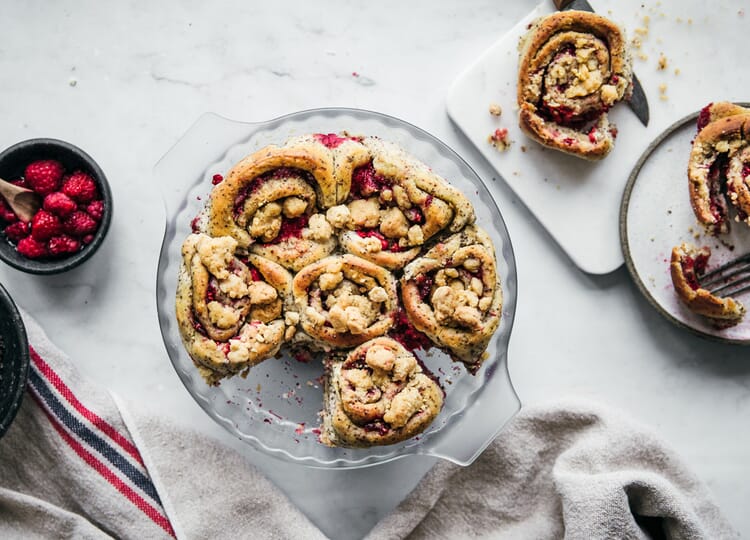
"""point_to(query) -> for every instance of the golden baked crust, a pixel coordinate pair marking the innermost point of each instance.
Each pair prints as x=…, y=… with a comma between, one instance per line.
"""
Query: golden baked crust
x=453, y=295
x=688, y=263
x=344, y=301
x=719, y=166
x=229, y=312
x=574, y=66
x=378, y=395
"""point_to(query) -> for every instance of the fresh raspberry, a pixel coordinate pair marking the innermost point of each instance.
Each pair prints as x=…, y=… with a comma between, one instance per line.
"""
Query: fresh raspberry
x=45, y=225
x=87, y=239
x=80, y=187
x=6, y=214
x=63, y=245
x=80, y=224
x=44, y=176
x=32, y=249
x=20, y=182
x=16, y=231
x=96, y=210
x=59, y=204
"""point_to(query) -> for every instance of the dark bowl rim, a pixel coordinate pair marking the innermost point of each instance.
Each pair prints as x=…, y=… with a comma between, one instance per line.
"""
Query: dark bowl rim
x=7, y=416
x=43, y=267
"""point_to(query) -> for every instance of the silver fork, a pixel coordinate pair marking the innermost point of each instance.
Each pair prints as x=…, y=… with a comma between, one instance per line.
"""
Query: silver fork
x=729, y=279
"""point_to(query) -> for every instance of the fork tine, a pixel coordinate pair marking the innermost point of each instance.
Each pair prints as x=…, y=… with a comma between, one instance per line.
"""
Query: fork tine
x=728, y=289
x=722, y=277
x=717, y=273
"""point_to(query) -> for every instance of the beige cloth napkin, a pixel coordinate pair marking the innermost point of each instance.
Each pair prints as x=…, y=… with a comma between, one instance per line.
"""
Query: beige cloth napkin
x=77, y=464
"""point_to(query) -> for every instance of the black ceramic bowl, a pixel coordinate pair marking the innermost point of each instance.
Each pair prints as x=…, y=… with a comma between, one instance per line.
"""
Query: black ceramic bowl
x=14, y=360
x=13, y=161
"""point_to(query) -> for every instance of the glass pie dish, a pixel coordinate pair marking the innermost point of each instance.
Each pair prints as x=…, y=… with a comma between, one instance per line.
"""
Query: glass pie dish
x=276, y=408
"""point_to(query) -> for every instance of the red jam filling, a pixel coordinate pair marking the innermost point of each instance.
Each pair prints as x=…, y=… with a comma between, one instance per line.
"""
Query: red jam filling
x=704, y=117
x=366, y=182
x=255, y=274
x=291, y=228
x=329, y=140
x=592, y=135
x=194, y=224
x=692, y=268
x=211, y=292
x=745, y=170
x=716, y=186
x=424, y=285
x=414, y=215
x=385, y=244
x=217, y=179
x=405, y=333
x=614, y=79
x=378, y=427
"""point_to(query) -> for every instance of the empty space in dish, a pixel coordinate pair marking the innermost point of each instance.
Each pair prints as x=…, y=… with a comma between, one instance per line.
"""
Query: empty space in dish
x=276, y=408
x=656, y=216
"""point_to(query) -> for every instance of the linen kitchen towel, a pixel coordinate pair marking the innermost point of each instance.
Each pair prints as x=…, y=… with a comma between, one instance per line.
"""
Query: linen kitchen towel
x=76, y=463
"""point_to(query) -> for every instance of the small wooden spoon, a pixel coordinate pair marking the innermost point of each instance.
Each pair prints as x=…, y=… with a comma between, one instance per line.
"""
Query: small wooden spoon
x=22, y=201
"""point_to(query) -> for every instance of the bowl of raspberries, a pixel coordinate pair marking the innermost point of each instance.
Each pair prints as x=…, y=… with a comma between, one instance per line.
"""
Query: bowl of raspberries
x=75, y=206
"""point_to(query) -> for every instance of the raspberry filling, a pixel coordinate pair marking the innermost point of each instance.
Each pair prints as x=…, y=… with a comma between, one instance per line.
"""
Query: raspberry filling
x=424, y=285
x=367, y=182
x=290, y=228
x=745, y=170
x=385, y=244
x=405, y=333
x=330, y=140
x=692, y=268
x=717, y=186
x=704, y=117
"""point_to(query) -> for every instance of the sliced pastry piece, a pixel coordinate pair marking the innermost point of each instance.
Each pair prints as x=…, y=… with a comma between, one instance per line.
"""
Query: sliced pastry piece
x=719, y=166
x=687, y=266
x=452, y=294
x=270, y=201
x=379, y=394
x=343, y=301
x=574, y=66
x=229, y=311
x=395, y=205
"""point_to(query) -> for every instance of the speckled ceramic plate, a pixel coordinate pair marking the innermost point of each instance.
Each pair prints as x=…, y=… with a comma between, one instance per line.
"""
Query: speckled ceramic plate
x=276, y=408
x=14, y=360
x=656, y=215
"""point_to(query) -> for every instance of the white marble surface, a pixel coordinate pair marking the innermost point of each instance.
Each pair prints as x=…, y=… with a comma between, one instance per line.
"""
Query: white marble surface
x=125, y=80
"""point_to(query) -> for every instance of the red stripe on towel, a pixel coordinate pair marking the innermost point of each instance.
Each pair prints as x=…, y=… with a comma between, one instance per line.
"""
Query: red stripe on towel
x=91, y=416
x=105, y=472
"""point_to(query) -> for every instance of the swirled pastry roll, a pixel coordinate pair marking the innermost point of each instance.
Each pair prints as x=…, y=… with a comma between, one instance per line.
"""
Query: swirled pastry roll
x=687, y=265
x=719, y=166
x=344, y=301
x=270, y=201
x=395, y=205
x=574, y=66
x=378, y=395
x=453, y=295
x=229, y=311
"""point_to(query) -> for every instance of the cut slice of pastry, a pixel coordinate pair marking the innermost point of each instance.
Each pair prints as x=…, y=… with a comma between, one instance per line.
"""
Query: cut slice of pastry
x=687, y=265
x=452, y=294
x=719, y=166
x=574, y=66
x=229, y=311
x=379, y=394
x=395, y=205
x=343, y=301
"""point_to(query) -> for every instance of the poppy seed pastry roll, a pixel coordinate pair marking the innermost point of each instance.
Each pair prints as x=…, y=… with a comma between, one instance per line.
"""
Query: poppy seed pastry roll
x=344, y=301
x=573, y=67
x=229, y=311
x=395, y=205
x=452, y=294
x=719, y=166
x=687, y=265
x=379, y=394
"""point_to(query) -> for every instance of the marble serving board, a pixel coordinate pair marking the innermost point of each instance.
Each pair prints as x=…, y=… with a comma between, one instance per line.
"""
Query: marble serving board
x=575, y=200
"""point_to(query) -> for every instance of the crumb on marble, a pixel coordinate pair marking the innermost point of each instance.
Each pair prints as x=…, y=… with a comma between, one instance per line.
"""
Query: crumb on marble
x=662, y=63
x=495, y=109
x=676, y=71
x=72, y=82
x=499, y=139
x=523, y=148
